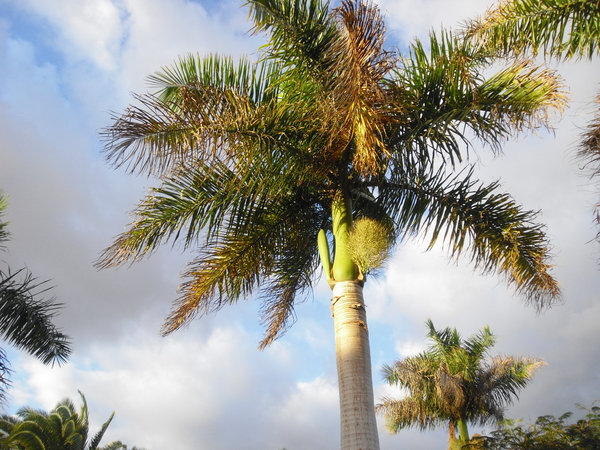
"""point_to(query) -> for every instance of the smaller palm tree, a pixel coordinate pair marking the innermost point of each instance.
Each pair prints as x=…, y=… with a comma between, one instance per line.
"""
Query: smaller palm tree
x=453, y=384
x=63, y=428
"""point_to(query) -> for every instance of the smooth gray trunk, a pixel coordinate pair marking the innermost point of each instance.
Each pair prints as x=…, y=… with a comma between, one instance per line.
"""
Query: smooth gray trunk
x=353, y=358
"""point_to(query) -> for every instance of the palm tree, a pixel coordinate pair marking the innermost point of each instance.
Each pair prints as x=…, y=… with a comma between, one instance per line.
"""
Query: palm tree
x=555, y=29
x=63, y=428
x=268, y=167
x=453, y=384
x=25, y=318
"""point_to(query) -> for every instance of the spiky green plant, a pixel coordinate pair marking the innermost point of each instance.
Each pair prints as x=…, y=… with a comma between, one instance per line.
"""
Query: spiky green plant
x=63, y=428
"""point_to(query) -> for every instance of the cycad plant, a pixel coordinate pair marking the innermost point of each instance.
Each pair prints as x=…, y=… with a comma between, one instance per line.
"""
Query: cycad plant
x=454, y=383
x=63, y=428
x=268, y=167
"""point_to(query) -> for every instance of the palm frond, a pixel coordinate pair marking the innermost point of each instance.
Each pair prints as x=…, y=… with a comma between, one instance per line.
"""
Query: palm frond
x=95, y=442
x=26, y=319
x=407, y=413
x=291, y=276
x=464, y=214
x=182, y=205
x=247, y=78
x=253, y=250
x=561, y=29
x=446, y=98
x=299, y=30
x=507, y=375
x=355, y=80
x=203, y=108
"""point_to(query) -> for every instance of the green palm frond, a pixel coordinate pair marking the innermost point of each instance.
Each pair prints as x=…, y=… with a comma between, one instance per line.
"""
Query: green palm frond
x=298, y=30
x=95, y=442
x=249, y=219
x=26, y=319
x=63, y=428
x=562, y=29
x=254, y=249
x=247, y=78
x=204, y=199
x=293, y=271
x=446, y=99
x=465, y=214
x=507, y=375
x=478, y=345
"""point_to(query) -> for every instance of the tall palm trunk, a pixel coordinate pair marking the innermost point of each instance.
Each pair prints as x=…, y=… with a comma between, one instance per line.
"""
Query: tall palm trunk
x=358, y=426
x=353, y=358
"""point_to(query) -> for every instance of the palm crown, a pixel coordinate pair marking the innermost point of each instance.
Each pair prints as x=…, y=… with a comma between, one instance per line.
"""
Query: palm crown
x=255, y=156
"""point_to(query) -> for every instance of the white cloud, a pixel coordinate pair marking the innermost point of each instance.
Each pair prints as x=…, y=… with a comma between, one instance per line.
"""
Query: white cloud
x=407, y=19
x=85, y=29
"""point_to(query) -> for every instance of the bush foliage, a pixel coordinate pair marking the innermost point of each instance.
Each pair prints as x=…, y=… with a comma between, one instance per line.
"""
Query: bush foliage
x=548, y=433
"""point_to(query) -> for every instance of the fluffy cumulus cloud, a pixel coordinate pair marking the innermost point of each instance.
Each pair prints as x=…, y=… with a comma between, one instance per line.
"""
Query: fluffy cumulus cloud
x=66, y=64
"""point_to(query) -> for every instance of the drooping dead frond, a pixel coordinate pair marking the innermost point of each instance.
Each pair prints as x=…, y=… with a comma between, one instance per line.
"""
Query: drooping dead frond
x=356, y=77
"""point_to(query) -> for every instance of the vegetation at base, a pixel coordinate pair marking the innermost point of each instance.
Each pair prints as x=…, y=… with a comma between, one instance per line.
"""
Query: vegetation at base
x=63, y=428
x=548, y=433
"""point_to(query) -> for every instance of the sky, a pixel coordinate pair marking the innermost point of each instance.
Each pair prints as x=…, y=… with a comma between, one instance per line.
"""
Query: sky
x=66, y=65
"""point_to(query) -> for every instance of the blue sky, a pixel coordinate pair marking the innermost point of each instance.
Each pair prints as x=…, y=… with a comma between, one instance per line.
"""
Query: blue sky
x=66, y=64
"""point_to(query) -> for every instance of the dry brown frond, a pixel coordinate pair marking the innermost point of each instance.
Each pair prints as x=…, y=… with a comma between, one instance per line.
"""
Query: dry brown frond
x=361, y=65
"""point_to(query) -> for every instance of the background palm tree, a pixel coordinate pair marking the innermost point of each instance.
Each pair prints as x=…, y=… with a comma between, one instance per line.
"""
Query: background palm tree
x=26, y=317
x=453, y=383
x=63, y=428
x=268, y=167
x=555, y=29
